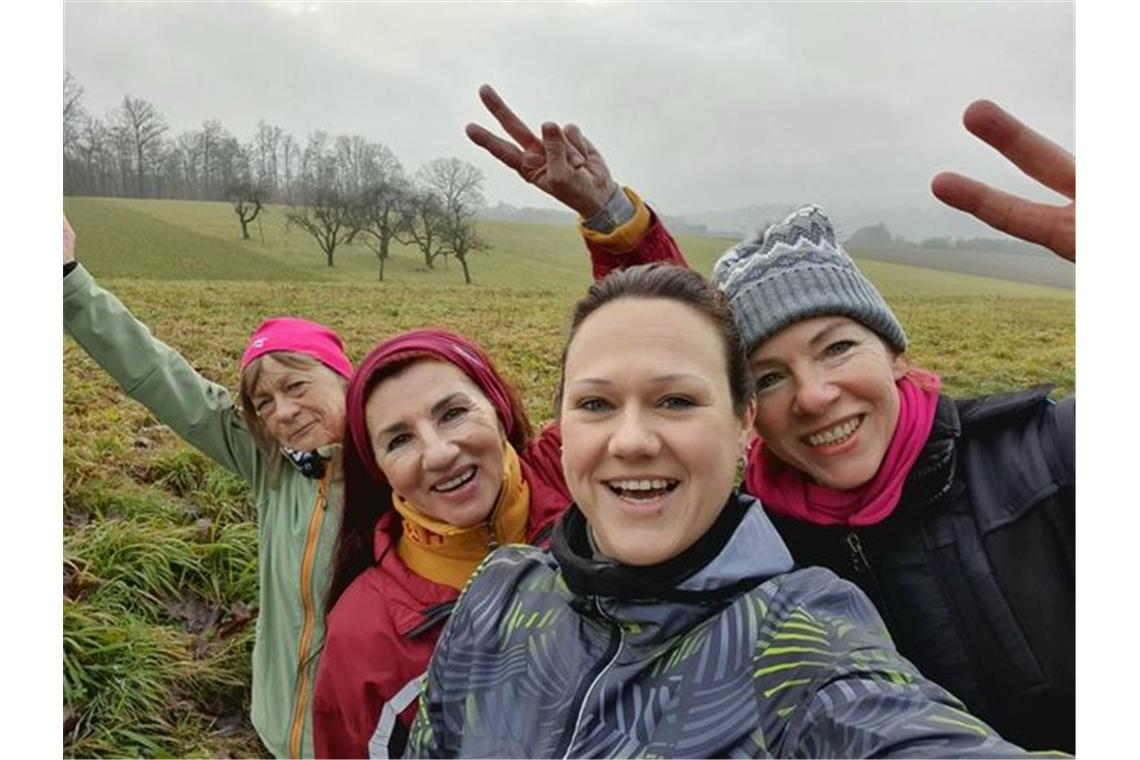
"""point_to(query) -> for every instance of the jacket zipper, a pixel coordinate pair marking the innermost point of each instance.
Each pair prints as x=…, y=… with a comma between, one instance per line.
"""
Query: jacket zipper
x=613, y=649
x=299, y=703
x=863, y=567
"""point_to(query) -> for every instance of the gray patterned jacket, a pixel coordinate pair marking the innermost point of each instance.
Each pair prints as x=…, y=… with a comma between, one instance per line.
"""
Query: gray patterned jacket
x=724, y=651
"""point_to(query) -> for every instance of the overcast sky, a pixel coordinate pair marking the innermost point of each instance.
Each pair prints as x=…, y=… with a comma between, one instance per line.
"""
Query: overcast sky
x=700, y=106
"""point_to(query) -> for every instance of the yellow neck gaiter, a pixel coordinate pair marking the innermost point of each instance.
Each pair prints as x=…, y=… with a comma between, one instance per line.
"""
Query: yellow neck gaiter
x=447, y=554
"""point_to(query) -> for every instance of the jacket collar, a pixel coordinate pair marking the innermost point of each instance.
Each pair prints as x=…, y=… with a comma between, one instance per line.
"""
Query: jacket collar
x=933, y=472
x=739, y=552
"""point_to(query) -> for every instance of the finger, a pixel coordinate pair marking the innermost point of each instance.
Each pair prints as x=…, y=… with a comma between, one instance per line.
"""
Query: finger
x=1051, y=226
x=574, y=152
x=555, y=145
x=514, y=126
x=1037, y=156
x=582, y=144
x=506, y=152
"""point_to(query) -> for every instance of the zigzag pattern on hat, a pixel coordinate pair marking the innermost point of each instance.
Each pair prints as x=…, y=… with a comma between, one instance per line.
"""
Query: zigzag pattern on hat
x=806, y=229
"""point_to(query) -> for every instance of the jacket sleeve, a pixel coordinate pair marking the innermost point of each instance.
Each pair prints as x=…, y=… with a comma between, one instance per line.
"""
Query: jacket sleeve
x=863, y=699
x=641, y=240
x=156, y=376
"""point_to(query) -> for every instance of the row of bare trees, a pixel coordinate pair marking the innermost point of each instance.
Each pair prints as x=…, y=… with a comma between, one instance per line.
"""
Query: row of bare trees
x=433, y=212
x=337, y=189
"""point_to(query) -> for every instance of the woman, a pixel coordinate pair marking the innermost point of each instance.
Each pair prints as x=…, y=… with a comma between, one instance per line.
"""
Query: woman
x=956, y=517
x=667, y=619
x=441, y=467
x=293, y=377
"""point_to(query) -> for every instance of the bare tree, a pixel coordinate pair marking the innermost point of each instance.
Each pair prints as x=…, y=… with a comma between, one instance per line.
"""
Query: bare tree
x=72, y=113
x=458, y=186
x=383, y=216
x=422, y=224
x=329, y=216
x=246, y=198
x=143, y=127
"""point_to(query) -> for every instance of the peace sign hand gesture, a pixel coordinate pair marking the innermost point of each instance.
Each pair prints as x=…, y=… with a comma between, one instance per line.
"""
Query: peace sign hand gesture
x=1051, y=226
x=563, y=164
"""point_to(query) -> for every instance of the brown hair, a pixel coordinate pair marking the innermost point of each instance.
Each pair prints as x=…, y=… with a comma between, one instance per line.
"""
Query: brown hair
x=672, y=283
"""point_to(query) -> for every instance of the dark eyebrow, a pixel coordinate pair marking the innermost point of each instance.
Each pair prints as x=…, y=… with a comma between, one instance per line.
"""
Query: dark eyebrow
x=436, y=409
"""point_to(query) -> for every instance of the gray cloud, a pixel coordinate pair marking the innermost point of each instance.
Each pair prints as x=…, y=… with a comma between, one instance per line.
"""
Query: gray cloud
x=701, y=106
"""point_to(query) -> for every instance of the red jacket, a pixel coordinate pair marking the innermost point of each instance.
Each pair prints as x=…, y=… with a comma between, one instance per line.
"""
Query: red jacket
x=381, y=633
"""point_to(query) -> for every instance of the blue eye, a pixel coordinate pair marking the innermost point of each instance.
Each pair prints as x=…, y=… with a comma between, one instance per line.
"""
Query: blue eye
x=838, y=348
x=678, y=402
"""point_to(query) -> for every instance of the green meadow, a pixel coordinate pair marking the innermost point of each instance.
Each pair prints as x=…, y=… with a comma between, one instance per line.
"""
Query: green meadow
x=160, y=584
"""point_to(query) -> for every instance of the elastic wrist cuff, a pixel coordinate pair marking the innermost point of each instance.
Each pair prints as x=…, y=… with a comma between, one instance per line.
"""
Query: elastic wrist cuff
x=628, y=235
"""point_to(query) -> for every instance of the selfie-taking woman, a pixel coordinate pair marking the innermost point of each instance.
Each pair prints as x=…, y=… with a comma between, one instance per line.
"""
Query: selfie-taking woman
x=667, y=619
x=956, y=517
x=280, y=441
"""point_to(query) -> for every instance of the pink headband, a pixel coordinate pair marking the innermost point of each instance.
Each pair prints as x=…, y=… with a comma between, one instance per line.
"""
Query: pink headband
x=300, y=336
x=437, y=343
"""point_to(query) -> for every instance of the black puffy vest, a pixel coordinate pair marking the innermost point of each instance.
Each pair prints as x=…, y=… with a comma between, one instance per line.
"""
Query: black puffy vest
x=974, y=571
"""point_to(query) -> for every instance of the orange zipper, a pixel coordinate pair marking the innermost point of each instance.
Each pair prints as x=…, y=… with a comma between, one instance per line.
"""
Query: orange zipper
x=296, y=730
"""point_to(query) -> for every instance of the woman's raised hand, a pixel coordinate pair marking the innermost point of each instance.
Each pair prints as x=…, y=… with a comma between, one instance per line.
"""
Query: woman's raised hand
x=1049, y=225
x=68, y=242
x=563, y=164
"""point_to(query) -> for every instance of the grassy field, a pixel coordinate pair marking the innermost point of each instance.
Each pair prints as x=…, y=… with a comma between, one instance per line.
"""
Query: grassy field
x=160, y=555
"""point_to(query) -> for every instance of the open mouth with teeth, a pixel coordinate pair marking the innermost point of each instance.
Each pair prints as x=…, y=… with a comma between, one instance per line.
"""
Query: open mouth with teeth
x=460, y=480
x=646, y=489
x=836, y=435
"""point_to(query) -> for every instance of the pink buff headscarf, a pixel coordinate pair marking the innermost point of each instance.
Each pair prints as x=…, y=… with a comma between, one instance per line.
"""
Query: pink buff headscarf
x=300, y=336
x=439, y=344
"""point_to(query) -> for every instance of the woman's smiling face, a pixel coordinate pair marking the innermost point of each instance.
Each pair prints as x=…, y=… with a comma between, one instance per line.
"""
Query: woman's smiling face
x=827, y=399
x=438, y=441
x=650, y=437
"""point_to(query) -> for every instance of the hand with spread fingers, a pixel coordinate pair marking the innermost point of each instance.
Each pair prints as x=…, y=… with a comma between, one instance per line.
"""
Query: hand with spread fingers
x=1045, y=224
x=563, y=164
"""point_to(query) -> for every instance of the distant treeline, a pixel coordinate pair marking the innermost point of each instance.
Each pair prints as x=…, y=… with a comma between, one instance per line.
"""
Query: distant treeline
x=338, y=189
x=131, y=152
x=879, y=237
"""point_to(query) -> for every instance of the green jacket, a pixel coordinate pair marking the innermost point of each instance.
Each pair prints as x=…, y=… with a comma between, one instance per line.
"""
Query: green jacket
x=295, y=537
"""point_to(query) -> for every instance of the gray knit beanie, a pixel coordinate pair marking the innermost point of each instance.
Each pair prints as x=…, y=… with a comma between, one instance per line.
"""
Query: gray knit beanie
x=794, y=271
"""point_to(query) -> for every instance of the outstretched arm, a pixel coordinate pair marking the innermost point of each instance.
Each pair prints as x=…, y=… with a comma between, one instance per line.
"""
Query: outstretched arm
x=153, y=373
x=1051, y=226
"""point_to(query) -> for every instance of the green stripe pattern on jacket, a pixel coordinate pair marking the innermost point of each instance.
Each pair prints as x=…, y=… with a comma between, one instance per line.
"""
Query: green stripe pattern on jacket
x=559, y=654
x=204, y=414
